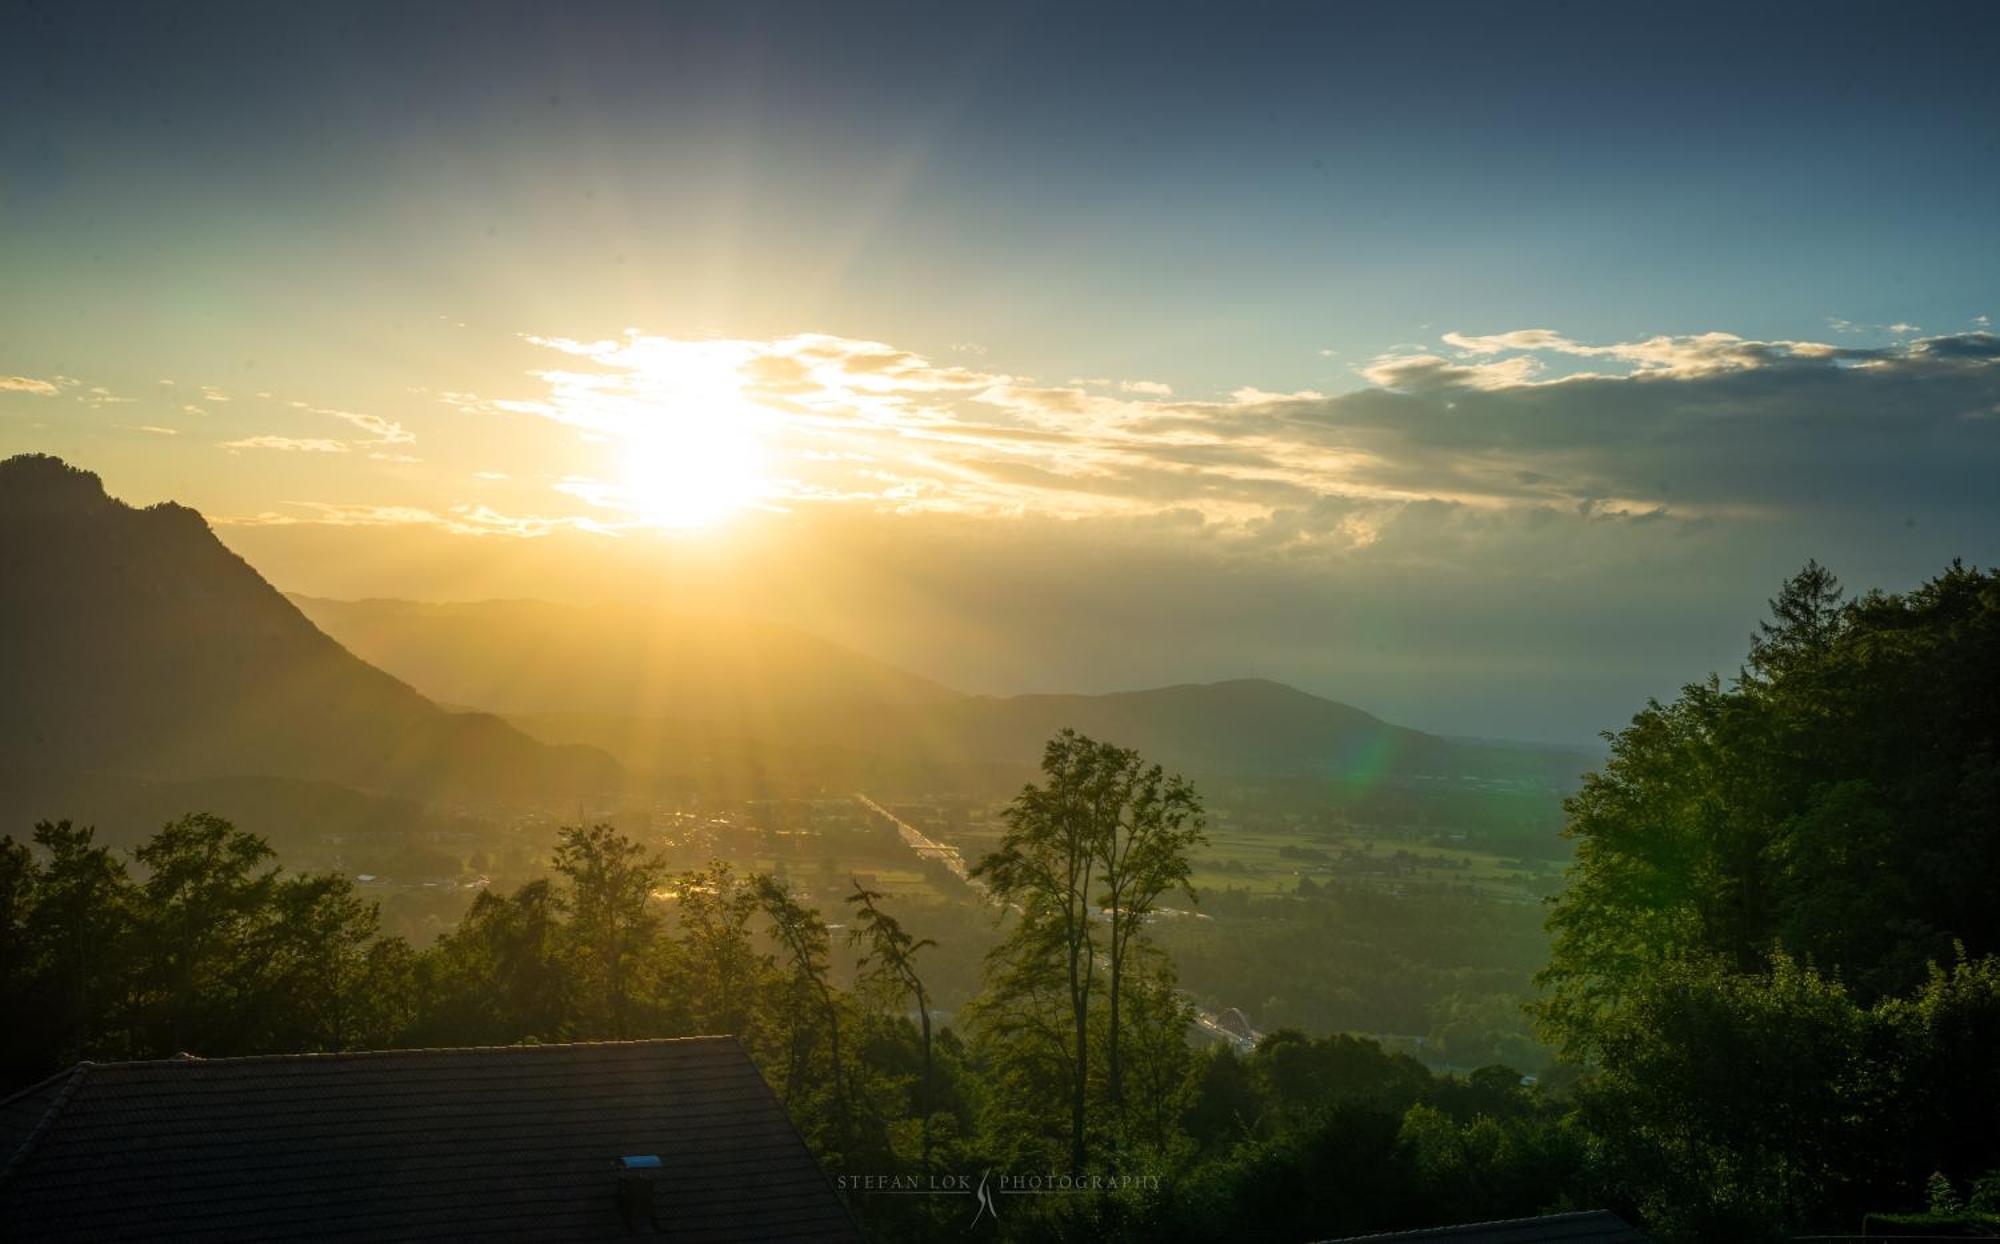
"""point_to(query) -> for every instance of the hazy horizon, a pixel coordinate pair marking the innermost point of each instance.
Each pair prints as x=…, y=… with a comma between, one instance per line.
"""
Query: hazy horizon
x=1158, y=349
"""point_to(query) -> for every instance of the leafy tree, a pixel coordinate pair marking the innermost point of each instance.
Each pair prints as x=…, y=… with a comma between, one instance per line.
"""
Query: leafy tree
x=207, y=903
x=323, y=976
x=890, y=962
x=1731, y=1104
x=1150, y=824
x=1771, y=877
x=802, y=936
x=1103, y=833
x=70, y=925
x=1806, y=618
x=722, y=972
x=1832, y=804
x=499, y=976
x=612, y=920
x=1045, y=866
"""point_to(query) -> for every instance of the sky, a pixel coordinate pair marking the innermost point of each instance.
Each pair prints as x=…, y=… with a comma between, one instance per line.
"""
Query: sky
x=1483, y=366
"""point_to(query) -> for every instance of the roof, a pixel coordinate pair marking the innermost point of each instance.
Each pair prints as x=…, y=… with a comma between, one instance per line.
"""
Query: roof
x=501, y=1143
x=1583, y=1227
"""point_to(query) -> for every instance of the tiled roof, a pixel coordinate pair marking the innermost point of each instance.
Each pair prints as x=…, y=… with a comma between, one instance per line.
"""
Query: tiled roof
x=1585, y=1227
x=500, y=1143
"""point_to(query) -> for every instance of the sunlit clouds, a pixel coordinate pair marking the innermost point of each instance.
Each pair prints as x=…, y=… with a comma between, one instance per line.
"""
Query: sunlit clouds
x=1529, y=496
x=1688, y=428
x=685, y=435
x=287, y=444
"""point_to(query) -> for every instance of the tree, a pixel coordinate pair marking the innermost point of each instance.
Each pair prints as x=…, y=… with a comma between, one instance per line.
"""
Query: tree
x=1732, y=1104
x=1154, y=821
x=498, y=977
x=1770, y=878
x=801, y=933
x=890, y=961
x=324, y=967
x=206, y=901
x=722, y=968
x=1832, y=804
x=70, y=942
x=1045, y=867
x=1105, y=833
x=609, y=898
x=1806, y=616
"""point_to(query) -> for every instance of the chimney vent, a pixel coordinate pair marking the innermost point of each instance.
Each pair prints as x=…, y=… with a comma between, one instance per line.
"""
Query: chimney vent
x=635, y=1190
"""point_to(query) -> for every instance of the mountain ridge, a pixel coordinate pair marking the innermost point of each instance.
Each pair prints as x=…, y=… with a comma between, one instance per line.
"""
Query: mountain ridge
x=136, y=643
x=634, y=701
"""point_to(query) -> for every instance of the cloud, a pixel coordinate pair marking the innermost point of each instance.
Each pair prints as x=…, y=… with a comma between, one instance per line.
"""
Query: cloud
x=28, y=384
x=1677, y=429
x=292, y=444
x=1693, y=355
x=464, y=520
x=155, y=429
x=1543, y=523
x=379, y=431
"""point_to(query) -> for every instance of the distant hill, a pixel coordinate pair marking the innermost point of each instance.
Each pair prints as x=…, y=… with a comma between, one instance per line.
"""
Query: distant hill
x=531, y=656
x=691, y=696
x=1244, y=727
x=132, y=642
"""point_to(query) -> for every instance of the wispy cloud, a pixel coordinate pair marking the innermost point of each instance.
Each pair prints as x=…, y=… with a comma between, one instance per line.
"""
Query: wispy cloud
x=28, y=384
x=291, y=444
x=469, y=520
x=1675, y=429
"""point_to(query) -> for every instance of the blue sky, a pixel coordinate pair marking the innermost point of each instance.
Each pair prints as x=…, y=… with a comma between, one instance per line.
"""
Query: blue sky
x=1228, y=227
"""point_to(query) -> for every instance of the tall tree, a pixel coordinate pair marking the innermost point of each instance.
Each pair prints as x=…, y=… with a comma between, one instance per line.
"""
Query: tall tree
x=890, y=961
x=1806, y=616
x=1770, y=878
x=1045, y=867
x=75, y=917
x=320, y=952
x=1152, y=822
x=1832, y=804
x=609, y=897
x=207, y=898
x=721, y=963
x=802, y=935
x=498, y=977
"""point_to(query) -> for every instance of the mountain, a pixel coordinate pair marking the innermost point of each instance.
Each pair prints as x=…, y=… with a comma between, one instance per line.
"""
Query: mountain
x=696, y=697
x=132, y=642
x=1245, y=727
x=531, y=656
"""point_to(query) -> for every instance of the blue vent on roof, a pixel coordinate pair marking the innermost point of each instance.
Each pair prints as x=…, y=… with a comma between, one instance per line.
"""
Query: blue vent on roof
x=640, y=1161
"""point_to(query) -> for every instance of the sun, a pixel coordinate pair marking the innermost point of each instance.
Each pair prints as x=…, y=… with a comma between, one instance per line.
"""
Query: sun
x=691, y=451
x=691, y=472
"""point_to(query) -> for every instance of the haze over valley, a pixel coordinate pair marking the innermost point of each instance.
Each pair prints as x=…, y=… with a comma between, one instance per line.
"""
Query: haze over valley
x=890, y=622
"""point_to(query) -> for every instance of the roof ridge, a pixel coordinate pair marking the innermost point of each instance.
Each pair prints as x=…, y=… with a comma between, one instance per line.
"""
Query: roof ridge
x=1558, y=1216
x=41, y=1084
x=74, y=1078
x=196, y=1060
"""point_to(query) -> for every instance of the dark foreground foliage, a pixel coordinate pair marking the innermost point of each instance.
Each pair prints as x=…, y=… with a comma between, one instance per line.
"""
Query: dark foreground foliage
x=1773, y=973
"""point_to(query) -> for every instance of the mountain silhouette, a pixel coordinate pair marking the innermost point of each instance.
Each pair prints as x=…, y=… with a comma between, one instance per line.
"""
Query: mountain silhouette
x=675, y=693
x=133, y=642
x=533, y=656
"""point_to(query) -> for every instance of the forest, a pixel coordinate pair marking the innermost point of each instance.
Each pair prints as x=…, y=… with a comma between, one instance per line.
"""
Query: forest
x=1770, y=980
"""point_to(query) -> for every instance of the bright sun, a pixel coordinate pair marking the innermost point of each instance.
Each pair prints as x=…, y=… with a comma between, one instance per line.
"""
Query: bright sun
x=691, y=451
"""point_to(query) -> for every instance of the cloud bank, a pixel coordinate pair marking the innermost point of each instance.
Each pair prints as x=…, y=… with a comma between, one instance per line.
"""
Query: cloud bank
x=1517, y=427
